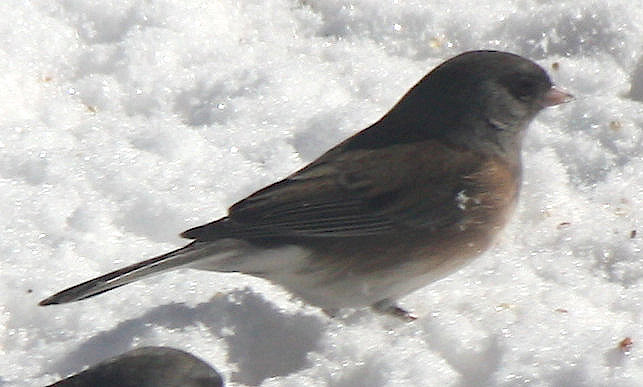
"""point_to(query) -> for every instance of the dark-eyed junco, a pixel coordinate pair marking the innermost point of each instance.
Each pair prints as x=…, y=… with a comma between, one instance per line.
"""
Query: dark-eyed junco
x=147, y=367
x=398, y=205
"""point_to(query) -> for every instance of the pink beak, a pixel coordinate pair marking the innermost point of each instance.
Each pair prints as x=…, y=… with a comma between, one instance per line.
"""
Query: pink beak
x=555, y=96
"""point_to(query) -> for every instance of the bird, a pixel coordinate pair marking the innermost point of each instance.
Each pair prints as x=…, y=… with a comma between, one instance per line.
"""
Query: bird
x=147, y=366
x=400, y=204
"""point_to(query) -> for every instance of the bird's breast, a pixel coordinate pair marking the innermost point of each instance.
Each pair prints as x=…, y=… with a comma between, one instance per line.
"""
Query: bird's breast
x=484, y=202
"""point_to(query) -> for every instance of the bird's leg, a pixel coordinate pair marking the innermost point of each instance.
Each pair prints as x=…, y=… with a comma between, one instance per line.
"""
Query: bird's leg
x=389, y=307
x=331, y=312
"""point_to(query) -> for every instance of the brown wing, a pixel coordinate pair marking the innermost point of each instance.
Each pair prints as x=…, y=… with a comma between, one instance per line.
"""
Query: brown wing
x=356, y=193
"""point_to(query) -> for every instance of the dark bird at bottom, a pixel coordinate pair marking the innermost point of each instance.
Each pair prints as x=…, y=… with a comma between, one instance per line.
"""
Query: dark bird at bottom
x=400, y=204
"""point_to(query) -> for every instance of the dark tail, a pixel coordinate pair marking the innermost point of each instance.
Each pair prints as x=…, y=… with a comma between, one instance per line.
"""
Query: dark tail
x=169, y=261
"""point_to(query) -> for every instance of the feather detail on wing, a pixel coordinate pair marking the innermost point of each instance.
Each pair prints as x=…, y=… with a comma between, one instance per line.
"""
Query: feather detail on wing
x=353, y=194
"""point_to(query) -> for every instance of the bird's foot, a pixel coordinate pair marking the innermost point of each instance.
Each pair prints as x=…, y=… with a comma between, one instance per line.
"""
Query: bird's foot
x=390, y=308
x=332, y=313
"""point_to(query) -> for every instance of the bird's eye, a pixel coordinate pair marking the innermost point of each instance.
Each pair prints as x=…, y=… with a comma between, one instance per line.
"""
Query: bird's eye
x=524, y=89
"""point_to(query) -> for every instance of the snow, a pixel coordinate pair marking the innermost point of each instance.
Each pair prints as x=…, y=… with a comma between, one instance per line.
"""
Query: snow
x=126, y=122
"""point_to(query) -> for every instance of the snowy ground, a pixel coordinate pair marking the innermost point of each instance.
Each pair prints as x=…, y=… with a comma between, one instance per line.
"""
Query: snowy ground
x=123, y=123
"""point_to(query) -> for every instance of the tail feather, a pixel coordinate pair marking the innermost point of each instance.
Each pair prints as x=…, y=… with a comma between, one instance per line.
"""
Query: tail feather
x=172, y=260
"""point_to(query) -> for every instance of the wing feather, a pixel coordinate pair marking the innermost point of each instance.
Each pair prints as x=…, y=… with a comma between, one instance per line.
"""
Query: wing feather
x=353, y=194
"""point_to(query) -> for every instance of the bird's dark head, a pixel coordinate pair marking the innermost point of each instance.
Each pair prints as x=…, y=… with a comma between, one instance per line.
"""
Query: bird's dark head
x=503, y=88
x=475, y=99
